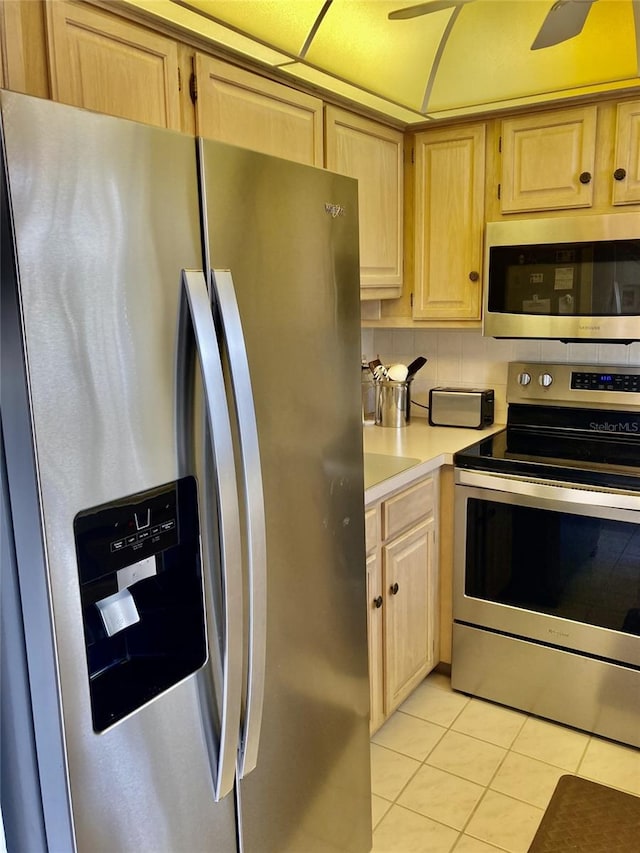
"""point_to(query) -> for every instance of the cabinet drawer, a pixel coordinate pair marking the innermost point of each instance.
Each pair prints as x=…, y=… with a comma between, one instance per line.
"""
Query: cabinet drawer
x=405, y=509
x=371, y=529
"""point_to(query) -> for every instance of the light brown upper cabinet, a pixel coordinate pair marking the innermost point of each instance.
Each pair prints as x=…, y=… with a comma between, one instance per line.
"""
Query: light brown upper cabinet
x=241, y=108
x=372, y=153
x=548, y=160
x=449, y=186
x=626, y=165
x=105, y=63
x=23, y=55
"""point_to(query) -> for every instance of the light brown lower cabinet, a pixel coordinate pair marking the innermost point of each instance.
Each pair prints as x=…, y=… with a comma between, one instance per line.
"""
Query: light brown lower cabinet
x=375, y=638
x=402, y=589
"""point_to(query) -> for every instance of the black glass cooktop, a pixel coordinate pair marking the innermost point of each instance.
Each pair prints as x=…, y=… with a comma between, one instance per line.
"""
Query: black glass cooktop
x=587, y=447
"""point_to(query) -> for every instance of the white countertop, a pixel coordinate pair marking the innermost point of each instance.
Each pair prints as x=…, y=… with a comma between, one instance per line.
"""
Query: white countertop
x=423, y=447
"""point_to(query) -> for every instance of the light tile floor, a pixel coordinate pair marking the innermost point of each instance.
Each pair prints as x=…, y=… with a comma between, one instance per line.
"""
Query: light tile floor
x=454, y=773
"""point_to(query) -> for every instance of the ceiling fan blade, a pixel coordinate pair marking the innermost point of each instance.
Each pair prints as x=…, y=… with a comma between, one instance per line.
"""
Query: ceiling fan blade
x=425, y=8
x=565, y=19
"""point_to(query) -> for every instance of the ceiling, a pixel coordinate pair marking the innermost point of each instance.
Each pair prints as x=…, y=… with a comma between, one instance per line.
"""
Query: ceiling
x=458, y=61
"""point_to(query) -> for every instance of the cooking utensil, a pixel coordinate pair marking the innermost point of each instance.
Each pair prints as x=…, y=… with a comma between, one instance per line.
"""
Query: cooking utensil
x=380, y=373
x=415, y=366
x=397, y=372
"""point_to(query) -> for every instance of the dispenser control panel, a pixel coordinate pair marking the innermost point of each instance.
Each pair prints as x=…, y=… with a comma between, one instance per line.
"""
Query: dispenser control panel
x=126, y=532
x=140, y=577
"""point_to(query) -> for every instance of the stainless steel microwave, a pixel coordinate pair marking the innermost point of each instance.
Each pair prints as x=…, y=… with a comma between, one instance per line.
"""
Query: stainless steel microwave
x=569, y=278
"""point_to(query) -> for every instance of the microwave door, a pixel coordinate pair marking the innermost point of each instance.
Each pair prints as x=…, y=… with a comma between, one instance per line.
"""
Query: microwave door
x=617, y=302
x=568, y=279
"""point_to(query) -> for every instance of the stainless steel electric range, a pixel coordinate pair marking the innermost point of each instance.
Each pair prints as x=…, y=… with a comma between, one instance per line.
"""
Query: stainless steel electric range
x=547, y=553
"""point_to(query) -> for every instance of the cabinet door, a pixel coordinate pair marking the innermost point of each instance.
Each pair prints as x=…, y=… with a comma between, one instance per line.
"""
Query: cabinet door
x=104, y=63
x=23, y=53
x=626, y=187
x=375, y=600
x=548, y=160
x=449, y=218
x=371, y=528
x=373, y=154
x=410, y=601
x=244, y=109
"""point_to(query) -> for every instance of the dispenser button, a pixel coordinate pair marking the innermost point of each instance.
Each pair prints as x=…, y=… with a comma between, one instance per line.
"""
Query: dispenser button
x=118, y=611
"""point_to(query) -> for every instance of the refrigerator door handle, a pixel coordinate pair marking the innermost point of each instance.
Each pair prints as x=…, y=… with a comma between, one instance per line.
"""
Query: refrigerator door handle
x=222, y=751
x=227, y=313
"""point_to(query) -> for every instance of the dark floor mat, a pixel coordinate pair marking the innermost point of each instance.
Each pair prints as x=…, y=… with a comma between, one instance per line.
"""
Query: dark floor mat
x=584, y=817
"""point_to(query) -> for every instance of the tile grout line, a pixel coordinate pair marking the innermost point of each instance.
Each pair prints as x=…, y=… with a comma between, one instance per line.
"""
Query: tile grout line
x=508, y=750
x=423, y=762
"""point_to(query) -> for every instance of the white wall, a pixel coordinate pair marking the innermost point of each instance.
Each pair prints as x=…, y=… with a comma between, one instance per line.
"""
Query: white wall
x=465, y=359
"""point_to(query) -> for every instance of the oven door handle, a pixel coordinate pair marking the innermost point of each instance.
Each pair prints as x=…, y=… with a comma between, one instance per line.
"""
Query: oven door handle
x=550, y=490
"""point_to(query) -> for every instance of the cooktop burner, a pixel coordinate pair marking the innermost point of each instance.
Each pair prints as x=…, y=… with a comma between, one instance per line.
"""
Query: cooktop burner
x=551, y=459
x=571, y=423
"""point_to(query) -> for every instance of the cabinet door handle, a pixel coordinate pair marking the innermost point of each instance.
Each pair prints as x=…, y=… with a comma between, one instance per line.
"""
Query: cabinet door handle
x=377, y=602
x=620, y=174
x=474, y=275
x=585, y=178
x=394, y=589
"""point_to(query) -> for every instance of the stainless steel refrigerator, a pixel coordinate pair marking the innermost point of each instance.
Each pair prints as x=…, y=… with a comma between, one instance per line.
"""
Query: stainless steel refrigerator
x=184, y=663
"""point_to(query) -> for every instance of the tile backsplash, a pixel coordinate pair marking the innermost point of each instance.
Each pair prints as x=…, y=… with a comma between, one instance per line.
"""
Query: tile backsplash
x=465, y=359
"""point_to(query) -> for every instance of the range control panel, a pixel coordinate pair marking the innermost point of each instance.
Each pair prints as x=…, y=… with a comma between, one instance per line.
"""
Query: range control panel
x=606, y=381
x=615, y=387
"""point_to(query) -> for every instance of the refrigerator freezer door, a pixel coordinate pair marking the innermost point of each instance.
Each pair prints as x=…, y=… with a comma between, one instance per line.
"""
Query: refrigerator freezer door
x=19, y=784
x=105, y=217
x=288, y=234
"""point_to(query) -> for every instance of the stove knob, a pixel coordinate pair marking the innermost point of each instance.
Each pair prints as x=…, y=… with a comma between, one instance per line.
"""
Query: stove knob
x=545, y=379
x=524, y=379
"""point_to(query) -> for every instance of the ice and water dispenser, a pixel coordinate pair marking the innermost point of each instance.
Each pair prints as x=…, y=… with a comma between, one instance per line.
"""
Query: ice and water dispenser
x=142, y=597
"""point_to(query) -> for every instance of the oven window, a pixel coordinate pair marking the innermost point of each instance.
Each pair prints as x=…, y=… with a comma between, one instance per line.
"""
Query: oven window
x=571, y=566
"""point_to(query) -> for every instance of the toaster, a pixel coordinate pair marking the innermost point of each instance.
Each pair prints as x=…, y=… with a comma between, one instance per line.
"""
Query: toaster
x=461, y=407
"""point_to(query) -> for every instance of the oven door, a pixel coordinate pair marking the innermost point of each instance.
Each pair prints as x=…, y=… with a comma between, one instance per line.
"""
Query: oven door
x=548, y=562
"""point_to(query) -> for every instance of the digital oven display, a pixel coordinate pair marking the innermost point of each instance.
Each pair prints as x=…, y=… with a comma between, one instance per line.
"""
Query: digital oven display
x=606, y=381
